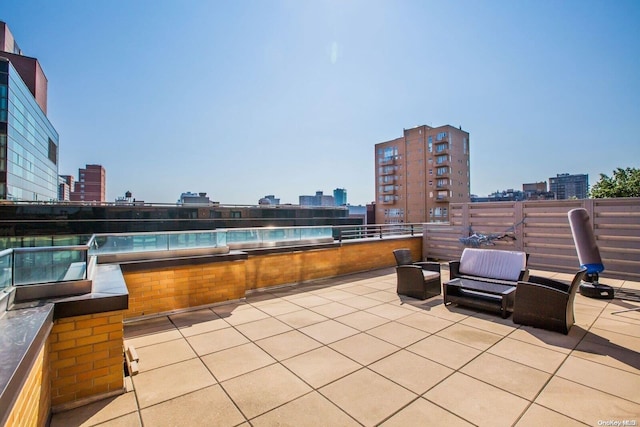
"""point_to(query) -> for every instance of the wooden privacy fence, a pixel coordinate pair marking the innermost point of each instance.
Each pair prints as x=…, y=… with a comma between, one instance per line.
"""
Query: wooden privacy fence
x=541, y=228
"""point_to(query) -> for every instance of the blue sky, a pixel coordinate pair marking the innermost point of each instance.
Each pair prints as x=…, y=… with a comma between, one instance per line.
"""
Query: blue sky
x=241, y=99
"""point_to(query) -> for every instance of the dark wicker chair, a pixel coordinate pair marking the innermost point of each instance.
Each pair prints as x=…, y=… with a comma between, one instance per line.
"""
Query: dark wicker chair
x=546, y=303
x=419, y=280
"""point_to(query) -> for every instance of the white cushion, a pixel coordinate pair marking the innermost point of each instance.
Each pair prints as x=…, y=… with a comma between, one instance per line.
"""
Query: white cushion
x=492, y=263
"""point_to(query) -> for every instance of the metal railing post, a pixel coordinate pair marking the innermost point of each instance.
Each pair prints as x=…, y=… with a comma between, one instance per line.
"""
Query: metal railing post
x=13, y=266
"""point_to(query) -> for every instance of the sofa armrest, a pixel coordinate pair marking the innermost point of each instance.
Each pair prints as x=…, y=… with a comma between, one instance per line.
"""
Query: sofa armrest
x=543, y=306
x=429, y=265
x=539, y=281
x=541, y=301
x=454, y=269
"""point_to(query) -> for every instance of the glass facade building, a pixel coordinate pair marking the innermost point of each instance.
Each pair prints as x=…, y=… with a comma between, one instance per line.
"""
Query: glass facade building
x=28, y=142
x=566, y=186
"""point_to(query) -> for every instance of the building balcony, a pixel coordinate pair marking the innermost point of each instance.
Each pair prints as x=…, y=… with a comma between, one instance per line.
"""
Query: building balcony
x=387, y=161
x=443, y=150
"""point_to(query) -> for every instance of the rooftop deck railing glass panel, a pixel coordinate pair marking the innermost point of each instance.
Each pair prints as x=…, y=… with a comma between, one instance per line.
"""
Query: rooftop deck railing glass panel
x=6, y=269
x=48, y=264
x=54, y=264
x=272, y=236
x=103, y=244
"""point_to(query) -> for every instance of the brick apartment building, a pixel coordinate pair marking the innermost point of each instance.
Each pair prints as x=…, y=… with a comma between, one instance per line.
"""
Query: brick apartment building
x=91, y=185
x=419, y=174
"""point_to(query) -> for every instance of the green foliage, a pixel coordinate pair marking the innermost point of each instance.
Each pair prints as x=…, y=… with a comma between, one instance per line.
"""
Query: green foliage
x=624, y=183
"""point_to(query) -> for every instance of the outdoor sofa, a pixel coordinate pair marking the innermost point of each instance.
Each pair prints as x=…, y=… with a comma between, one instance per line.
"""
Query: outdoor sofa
x=486, y=279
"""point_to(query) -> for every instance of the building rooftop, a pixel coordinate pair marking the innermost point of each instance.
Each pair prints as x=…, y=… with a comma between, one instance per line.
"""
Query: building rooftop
x=350, y=351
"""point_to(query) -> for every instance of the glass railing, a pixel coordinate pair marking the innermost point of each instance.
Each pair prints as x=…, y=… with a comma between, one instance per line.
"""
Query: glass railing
x=43, y=241
x=6, y=269
x=103, y=244
x=267, y=236
x=52, y=264
x=48, y=264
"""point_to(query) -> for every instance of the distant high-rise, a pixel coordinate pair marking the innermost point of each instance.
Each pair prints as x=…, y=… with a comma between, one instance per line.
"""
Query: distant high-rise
x=190, y=198
x=65, y=187
x=91, y=185
x=420, y=173
x=340, y=196
x=537, y=191
x=318, y=200
x=567, y=186
x=269, y=199
x=28, y=140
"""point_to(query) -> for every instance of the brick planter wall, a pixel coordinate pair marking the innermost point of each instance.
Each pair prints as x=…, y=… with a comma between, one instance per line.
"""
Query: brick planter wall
x=86, y=357
x=32, y=404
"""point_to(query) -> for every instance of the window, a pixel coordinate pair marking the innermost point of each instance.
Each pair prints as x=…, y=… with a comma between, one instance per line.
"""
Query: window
x=236, y=214
x=443, y=158
x=441, y=136
x=53, y=152
x=390, y=152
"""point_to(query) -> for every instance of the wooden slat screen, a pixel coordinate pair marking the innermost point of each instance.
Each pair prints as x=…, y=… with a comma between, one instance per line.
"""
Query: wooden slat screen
x=542, y=230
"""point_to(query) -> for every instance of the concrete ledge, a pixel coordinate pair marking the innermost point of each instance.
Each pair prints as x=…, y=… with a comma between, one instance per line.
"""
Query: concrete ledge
x=108, y=293
x=288, y=249
x=119, y=258
x=141, y=265
x=49, y=291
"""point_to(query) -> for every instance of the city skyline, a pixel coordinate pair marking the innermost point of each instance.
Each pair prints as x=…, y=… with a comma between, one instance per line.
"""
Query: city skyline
x=284, y=98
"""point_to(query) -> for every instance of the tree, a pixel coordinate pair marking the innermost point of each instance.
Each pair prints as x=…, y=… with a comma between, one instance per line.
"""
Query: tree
x=624, y=183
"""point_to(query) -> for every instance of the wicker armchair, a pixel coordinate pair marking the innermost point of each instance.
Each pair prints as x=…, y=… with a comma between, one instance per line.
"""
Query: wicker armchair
x=546, y=303
x=419, y=280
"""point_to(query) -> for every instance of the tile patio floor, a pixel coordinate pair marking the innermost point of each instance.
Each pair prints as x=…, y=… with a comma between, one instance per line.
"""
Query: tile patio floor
x=348, y=351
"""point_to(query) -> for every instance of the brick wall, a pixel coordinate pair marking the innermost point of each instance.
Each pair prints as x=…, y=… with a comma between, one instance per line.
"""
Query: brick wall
x=158, y=290
x=86, y=357
x=300, y=266
x=32, y=404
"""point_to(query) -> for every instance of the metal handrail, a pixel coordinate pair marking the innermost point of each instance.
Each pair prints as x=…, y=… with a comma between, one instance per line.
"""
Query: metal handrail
x=344, y=232
x=49, y=249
